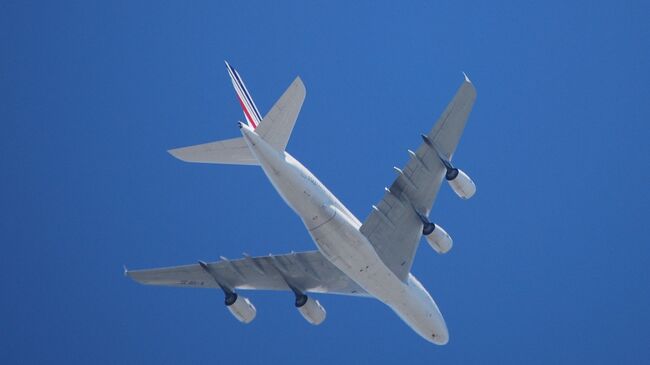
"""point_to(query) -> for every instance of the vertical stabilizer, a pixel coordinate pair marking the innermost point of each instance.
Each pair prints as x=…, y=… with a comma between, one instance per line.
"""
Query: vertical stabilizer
x=245, y=99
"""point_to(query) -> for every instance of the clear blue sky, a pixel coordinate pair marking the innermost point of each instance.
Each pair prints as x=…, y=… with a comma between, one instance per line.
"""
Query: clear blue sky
x=551, y=262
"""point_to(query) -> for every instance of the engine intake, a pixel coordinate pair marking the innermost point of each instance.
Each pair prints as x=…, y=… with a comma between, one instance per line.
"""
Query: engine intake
x=460, y=183
x=437, y=238
x=310, y=309
x=240, y=307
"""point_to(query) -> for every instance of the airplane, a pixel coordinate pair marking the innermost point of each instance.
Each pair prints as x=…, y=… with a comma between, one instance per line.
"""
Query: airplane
x=367, y=259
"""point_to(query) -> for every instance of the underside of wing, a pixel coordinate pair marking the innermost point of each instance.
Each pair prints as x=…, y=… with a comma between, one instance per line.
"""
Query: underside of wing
x=394, y=226
x=451, y=124
x=307, y=271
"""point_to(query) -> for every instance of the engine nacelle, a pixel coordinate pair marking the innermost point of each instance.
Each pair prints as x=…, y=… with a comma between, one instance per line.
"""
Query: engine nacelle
x=241, y=308
x=460, y=183
x=439, y=239
x=310, y=309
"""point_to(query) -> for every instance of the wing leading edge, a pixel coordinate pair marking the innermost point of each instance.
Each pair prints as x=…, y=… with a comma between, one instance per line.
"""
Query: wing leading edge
x=393, y=226
x=308, y=271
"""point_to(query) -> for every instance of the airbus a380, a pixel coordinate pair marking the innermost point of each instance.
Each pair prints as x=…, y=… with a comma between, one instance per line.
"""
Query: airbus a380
x=371, y=258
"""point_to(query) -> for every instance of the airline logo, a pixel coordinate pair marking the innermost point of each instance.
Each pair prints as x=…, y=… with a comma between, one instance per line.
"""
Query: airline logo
x=245, y=100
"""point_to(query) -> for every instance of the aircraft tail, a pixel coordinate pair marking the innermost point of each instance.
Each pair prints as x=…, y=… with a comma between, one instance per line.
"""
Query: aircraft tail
x=233, y=151
x=277, y=125
x=245, y=99
x=275, y=128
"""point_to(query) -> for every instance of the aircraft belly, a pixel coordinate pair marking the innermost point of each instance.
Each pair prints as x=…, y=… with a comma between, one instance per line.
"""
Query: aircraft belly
x=296, y=185
x=336, y=234
x=351, y=252
x=343, y=245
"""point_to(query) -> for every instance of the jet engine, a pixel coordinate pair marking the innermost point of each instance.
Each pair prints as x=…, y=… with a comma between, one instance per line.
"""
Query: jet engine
x=437, y=238
x=310, y=309
x=240, y=307
x=460, y=183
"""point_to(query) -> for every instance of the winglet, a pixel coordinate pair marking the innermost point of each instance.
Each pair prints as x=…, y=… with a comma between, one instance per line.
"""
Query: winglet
x=126, y=271
x=466, y=78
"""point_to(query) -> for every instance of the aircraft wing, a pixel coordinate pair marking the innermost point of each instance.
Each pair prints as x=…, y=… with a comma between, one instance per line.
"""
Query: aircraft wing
x=308, y=271
x=393, y=226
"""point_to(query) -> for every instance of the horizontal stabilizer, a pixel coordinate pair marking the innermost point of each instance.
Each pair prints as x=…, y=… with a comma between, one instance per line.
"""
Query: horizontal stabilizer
x=277, y=125
x=233, y=151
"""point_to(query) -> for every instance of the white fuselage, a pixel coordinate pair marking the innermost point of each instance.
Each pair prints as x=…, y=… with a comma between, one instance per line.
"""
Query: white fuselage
x=335, y=230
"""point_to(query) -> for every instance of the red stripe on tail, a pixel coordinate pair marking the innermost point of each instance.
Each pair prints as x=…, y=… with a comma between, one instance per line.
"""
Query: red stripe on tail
x=248, y=116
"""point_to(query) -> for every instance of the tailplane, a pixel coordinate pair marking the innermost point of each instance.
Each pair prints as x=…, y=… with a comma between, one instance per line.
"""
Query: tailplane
x=277, y=125
x=233, y=151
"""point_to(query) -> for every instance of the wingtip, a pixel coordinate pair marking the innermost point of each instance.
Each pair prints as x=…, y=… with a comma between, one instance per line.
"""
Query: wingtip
x=466, y=78
x=175, y=153
x=126, y=271
x=300, y=82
